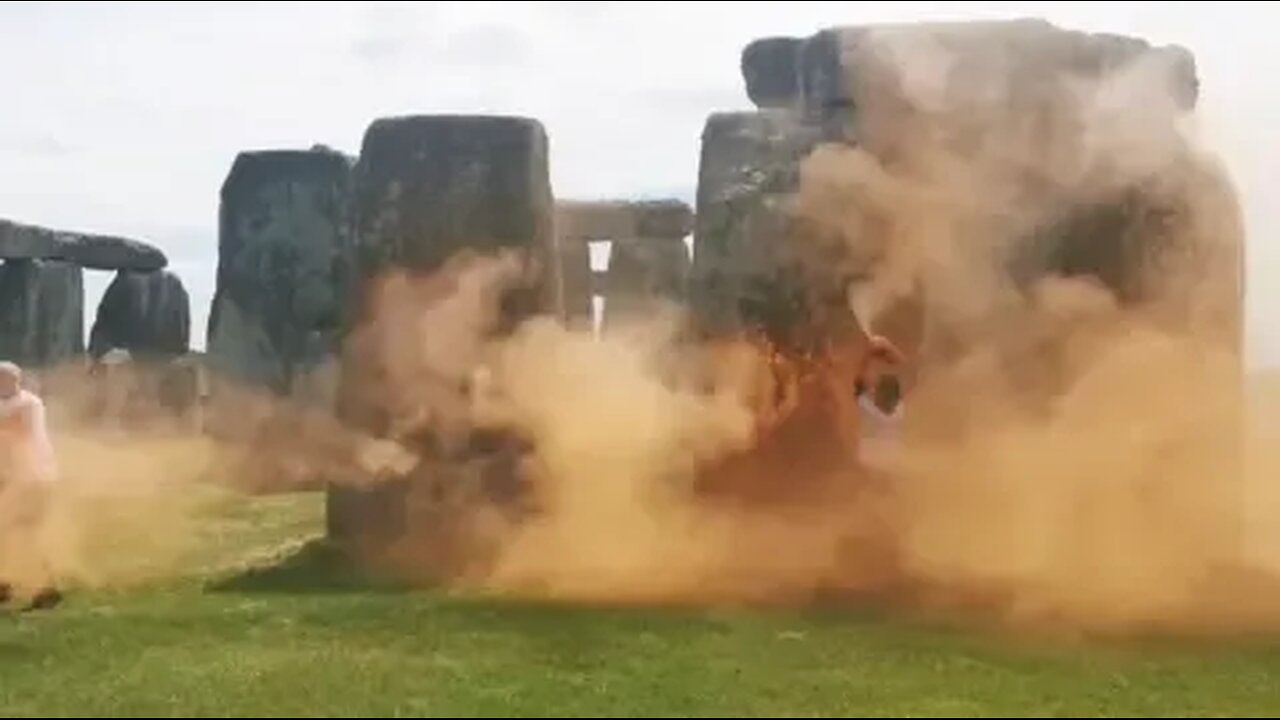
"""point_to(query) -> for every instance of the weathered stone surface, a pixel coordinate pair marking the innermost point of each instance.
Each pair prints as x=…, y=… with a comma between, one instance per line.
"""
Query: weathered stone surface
x=103, y=252
x=427, y=188
x=889, y=89
x=770, y=67
x=582, y=220
x=284, y=262
x=750, y=165
x=28, y=242
x=579, y=222
x=910, y=94
x=824, y=83
x=41, y=311
x=146, y=313
x=19, y=241
x=577, y=284
x=843, y=69
x=643, y=271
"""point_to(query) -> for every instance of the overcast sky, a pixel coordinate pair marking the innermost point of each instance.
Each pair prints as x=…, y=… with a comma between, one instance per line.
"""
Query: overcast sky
x=125, y=117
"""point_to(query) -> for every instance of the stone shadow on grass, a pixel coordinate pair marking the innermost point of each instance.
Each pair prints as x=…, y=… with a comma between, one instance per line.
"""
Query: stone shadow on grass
x=316, y=567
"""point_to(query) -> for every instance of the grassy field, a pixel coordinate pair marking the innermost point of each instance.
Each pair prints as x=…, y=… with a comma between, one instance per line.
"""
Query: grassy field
x=294, y=636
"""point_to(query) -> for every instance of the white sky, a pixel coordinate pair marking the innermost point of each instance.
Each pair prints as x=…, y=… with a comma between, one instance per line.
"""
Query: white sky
x=125, y=117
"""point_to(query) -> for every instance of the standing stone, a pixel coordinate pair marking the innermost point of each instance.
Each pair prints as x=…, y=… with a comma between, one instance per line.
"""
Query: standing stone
x=146, y=313
x=283, y=265
x=749, y=168
x=848, y=74
x=770, y=69
x=643, y=271
x=41, y=311
x=825, y=78
x=427, y=188
x=576, y=283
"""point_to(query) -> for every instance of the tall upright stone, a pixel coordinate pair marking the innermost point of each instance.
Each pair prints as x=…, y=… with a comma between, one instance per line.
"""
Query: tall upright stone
x=41, y=311
x=851, y=79
x=146, y=313
x=578, y=287
x=891, y=90
x=284, y=255
x=749, y=168
x=428, y=188
x=824, y=77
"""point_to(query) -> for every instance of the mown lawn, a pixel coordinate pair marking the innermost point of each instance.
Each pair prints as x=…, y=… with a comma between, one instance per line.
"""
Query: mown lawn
x=298, y=637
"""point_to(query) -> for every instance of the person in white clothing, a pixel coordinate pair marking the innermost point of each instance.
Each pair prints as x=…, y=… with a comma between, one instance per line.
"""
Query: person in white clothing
x=28, y=469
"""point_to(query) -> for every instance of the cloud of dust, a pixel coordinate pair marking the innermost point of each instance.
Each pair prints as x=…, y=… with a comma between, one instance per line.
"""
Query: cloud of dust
x=424, y=336
x=146, y=489
x=1073, y=450
x=123, y=507
x=614, y=432
x=617, y=431
x=1073, y=444
x=621, y=429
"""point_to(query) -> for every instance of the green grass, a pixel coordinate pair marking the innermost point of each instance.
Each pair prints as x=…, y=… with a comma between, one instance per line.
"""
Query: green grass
x=297, y=636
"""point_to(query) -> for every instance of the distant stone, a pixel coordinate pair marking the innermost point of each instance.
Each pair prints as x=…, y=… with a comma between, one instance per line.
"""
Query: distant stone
x=663, y=219
x=581, y=220
x=19, y=241
x=284, y=256
x=41, y=311
x=104, y=252
x=146, y=313
x=576, y=282
x=642, y=272
x=129, y=392
x=770, y=69
x=663, y=222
